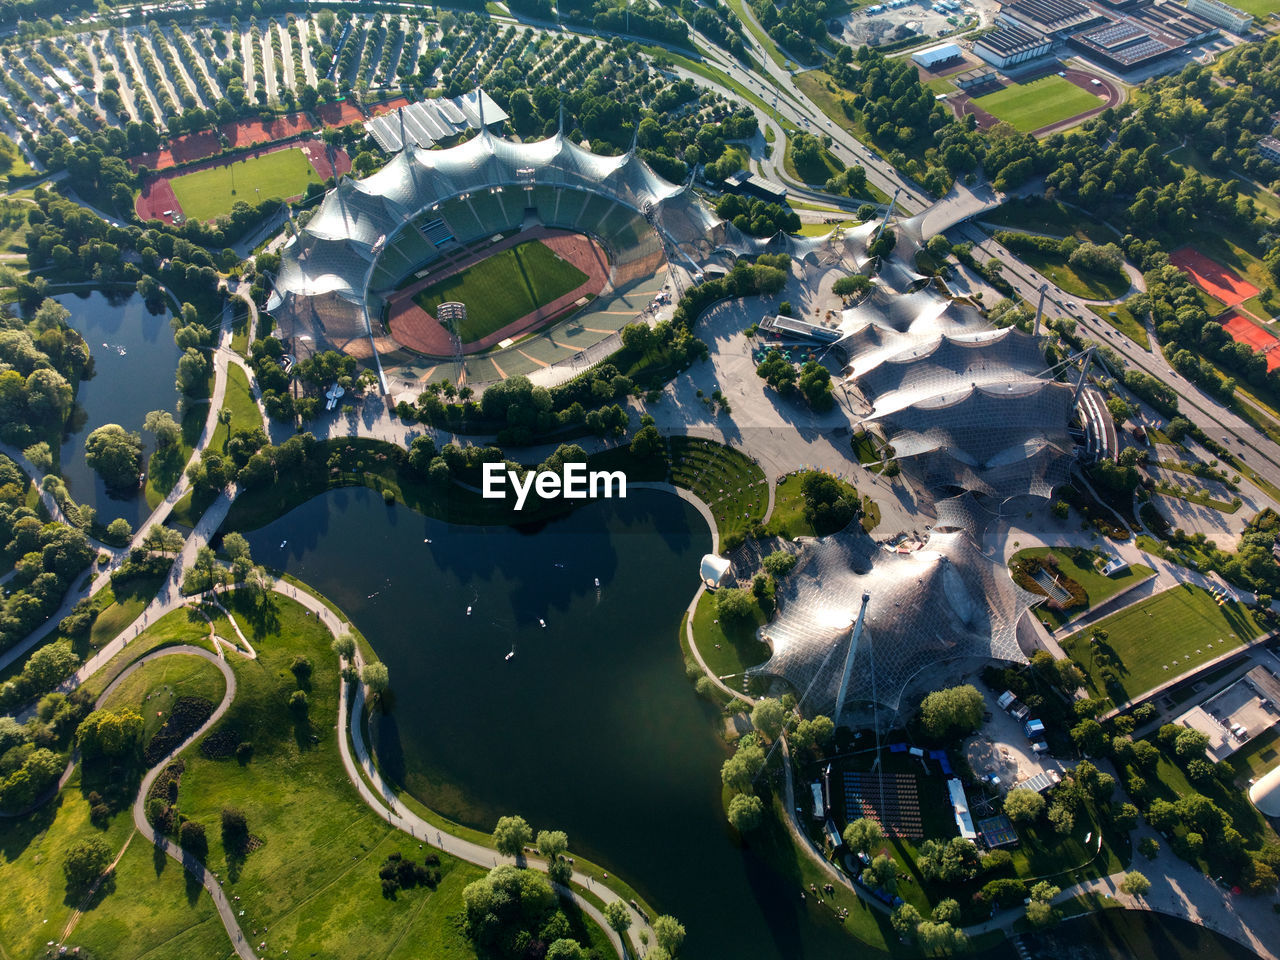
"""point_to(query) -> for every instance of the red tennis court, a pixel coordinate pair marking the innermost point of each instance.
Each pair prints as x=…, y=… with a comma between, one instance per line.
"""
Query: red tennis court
x=1221, y=283
x=1241, y=330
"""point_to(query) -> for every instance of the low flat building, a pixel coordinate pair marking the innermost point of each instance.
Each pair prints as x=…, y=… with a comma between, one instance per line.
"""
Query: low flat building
x=1269, y=147
x=1007, y=46
x=960, y=807
x=1141, y=35
x=795, y=327
x=1051, y=18
x=975, y=79
x=746, y=182
x=939, y=57
x=1223, y=14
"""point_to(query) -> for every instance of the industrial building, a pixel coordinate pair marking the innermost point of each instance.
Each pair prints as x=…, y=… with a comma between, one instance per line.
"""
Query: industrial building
x=1007, y=46
x=1222, y=14
x=940, y=57
x=1269, y=147
x=1124, y=35
x=748, y=183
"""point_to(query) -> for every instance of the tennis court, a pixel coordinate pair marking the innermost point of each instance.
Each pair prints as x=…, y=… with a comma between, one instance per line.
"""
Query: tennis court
x=1221, y=283
x=1241, y=330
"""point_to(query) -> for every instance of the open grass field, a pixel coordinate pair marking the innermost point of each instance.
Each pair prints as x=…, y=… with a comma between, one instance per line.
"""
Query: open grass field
x=731, y=484
x=1080, y=283
x=727, y=650
x=1077, y=563
x=788, y=519
x=816, y=172
x=154, y=687
x=1125, y=322
x=1030, y=106
x=208, y=194
x=1259, y=8
x=1160, y=638
x=1258, y=756
x=502, y=289
x=1039, y=215
x=245, y=414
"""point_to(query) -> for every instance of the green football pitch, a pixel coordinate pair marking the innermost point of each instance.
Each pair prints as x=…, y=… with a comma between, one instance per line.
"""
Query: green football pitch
x=503, y=288
x=1030, y=106
x=208, y=194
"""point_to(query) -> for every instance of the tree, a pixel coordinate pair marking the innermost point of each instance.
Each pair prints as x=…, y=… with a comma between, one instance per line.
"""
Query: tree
x=952, y=713
x=1134, y=884
x=1061, y=817
x=779, y=563
x=647, y=443
x=951, y=862
x=565, y=949
x=236, y=546
x=511, y=835
x=344, y=645
x=1023, y=805
x=947, y=911
x=669, y=932
x=115, y=454
x=733, y=604
x=819, y=731
x=119, y=530
x=235, y=830
x=552, y=843
x=906, y=919
x=1149, y=847
x=745, y=812
x=617, y=916
x=852, y=285
x=376, y=678
x=105, y=733
x=767, y=717
x=739, y=771
x=85, y=861
x=883, y=873
x=863, y=835
x=161, y=425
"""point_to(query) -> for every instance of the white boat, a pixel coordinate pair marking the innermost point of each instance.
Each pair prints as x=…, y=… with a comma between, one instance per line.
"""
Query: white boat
x=468, y=611
x=282, y=543
x=509, y=655
x=597, y=581
x=542, y=623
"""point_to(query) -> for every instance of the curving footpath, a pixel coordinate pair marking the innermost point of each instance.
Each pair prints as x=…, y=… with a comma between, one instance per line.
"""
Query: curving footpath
x=385, y=804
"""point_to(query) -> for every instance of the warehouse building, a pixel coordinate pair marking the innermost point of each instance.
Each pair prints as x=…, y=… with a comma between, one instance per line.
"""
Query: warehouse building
x=1007, y=46
x=1223, y=15
x=1141, y=35
x=939, y=58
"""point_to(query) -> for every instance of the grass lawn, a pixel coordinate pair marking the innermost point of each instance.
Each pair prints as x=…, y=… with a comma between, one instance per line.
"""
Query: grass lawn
x=816, y=173
x=139, y=914
x=154, y=687
x=1080, y=283
x=1039, y=215
x=727, y=481
x=503, y=288
x=313, y=880
x=1258, y=755
x=1260, y=309
x=208, y=194
x=727, y=650
x=165, y=467
x=1125, y=322
x=788, y=519
x=1159, y=638
x=1188, y=156
x=940, y=85
x=1077, y=563
x=1030, y=106
x=1259, y=8
x=178, y=626
x=245, y=414
x=822, y=229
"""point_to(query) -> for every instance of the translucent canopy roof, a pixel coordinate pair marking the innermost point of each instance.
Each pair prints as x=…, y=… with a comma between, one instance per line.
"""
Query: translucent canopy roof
x=925, y=608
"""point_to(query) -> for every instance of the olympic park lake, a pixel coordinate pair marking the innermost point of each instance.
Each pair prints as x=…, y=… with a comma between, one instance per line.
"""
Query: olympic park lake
x=591, y=727
x=134, y=361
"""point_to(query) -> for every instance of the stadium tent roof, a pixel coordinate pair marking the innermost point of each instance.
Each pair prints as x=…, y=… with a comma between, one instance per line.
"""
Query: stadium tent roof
x=946, y=602
x=1265, y=794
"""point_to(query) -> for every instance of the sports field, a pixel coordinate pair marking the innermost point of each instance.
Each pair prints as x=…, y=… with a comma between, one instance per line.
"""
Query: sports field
x=1218, y=281
x=1259, y=8
x=1160, y=638
x=502, y=289
x=1241, y=330
x=207, y=194
x=1030, y=106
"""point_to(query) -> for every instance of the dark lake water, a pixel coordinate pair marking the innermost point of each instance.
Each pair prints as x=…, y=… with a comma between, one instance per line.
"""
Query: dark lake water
x=135, y=361
x=591, y=727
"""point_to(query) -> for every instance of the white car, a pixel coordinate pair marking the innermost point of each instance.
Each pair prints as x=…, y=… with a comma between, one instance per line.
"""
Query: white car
x=1096, y=82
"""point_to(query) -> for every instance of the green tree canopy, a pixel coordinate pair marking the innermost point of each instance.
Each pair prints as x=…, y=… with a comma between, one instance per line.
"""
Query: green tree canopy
x=952, y=713
x=115, y=454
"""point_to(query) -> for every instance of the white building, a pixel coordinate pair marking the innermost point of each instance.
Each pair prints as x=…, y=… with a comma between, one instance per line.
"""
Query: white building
x=943, y=53
x=1223, y=14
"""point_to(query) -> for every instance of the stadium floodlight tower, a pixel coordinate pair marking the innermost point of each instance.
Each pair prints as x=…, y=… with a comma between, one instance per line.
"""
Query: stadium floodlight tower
x=888, y=212
x=848, y=660
x=1035, y=329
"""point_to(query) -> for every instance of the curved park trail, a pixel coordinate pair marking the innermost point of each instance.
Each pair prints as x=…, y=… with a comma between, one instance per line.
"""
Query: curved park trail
x=375, y=792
